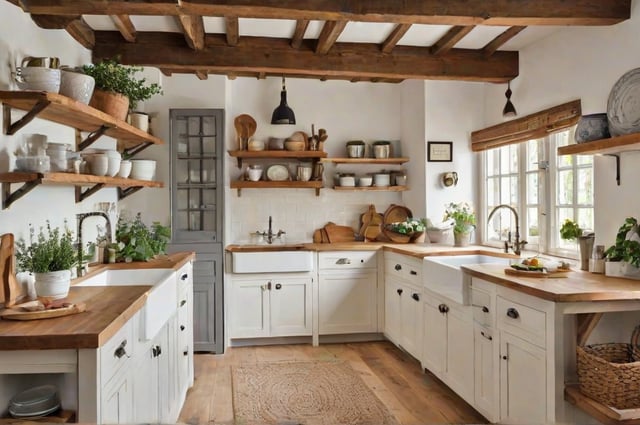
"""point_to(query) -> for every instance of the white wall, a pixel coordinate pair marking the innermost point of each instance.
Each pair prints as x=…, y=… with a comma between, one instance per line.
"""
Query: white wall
x=582, y=63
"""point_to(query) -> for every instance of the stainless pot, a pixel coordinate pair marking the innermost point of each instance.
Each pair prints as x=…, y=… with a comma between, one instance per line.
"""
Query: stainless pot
x=381, y=150
x=355, y=149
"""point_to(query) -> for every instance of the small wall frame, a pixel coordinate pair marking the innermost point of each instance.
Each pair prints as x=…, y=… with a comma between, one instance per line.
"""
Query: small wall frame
x=440, y=151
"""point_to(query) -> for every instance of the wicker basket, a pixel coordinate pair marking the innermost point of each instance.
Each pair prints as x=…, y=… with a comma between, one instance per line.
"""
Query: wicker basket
x=609, y=374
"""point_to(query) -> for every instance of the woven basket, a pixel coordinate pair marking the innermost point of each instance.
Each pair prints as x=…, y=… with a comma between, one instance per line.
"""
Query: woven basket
x=610, y=374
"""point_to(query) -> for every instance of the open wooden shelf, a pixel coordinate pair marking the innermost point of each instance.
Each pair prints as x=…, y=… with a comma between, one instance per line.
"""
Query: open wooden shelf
x=371, y=188
x=63, y=110
x=288, y=184
x=603, y=413
x=611, y=146
x=29, y=181
x=276, y=154
x=366, y=160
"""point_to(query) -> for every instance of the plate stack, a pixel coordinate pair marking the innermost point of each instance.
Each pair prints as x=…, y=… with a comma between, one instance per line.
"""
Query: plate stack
x=35, y=402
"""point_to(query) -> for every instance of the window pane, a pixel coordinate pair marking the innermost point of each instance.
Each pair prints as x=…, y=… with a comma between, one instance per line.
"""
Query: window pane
x=533, y=230
x=532, y=188
x=493, y=192
x=585, y=186
x=584, y=160
x=533, y=155
x=565, y=187
x=585, y=218
x=493, y=161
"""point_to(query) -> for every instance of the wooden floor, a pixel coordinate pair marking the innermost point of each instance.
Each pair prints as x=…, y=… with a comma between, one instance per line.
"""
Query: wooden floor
x=395, y=377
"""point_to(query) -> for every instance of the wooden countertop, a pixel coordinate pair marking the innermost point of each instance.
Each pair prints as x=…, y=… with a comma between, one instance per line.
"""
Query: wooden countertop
x=108, y=309
x=577, y=286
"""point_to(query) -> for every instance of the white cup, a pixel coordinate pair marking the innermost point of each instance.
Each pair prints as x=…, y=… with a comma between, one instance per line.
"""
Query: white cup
x=125, y=169
x=99, y=164
x=254, y=174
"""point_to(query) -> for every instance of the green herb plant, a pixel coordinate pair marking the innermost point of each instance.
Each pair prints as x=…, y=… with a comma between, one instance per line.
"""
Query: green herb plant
x=114, y=77
x=463, y=216
x=138, y=242
x=51, y=250
x=570, y=230
x=409, y=226
x=626, y=248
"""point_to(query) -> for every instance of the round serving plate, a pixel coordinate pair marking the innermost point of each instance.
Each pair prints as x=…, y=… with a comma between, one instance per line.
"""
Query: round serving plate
x=278, y=173
x=623, y=105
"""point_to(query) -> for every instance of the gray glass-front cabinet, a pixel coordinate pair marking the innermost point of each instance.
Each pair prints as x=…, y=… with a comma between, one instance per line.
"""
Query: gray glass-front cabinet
x=197, y=147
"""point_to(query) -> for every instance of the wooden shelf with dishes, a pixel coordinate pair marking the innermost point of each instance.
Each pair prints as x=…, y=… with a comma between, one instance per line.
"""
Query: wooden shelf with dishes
x=29, y=181
x=371, y=188
x=381, y=161
x=287, y=184
x=276, y=154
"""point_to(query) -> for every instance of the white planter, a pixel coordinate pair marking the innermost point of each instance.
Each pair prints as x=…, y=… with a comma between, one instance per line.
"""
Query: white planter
x=125, y=168
x=139, y=120
x=630, y=271
x=53, y=285
x=613, y=268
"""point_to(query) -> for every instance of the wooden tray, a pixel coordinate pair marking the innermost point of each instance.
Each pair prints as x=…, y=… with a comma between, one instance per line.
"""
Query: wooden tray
x=541, y=274
x=16, y=314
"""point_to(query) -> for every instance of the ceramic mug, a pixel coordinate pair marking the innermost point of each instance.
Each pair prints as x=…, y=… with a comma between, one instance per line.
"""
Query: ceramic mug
x=450, y=179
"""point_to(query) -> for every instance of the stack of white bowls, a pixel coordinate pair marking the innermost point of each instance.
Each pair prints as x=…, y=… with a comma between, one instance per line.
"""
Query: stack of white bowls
x=142, y=169
x=38, y=78
x=57, y=153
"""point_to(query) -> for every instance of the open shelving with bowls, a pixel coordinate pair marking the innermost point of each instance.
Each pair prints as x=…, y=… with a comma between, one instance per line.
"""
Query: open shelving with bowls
x=63, y=110
x=370, y=161
x=243, y=155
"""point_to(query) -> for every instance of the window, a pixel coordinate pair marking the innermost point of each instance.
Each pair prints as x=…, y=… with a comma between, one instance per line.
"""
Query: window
x=545, y=189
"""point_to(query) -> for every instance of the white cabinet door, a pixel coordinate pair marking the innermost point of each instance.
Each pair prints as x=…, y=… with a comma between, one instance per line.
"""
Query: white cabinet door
x=411, y=321
x=290, y=306
x=523, y=397
x=117, y=401
x=248, y=309
x=459, y=375
x=485, y=360
x=347, y=303
x=392, y=293
x=145, y=386
x=434, y=337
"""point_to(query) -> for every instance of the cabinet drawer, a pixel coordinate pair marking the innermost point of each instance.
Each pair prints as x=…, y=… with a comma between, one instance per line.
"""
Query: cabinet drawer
x=524, y=321
x=341, y=260
x=116, y=351
x=483, y=308
x=404, y=268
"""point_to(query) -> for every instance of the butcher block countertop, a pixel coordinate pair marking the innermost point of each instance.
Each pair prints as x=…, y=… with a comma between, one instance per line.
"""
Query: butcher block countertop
x=577, y=286
x=108, y=309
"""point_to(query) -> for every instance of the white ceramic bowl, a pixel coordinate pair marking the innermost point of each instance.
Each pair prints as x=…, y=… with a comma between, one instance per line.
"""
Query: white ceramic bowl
x=347, y=181
x=142, y=169
x=125, y=169
x=114, y=165
x=98, y=164
x=34, y=164
x=381, y=180
x=254, y=174
x=365, y=181
x=39, y=78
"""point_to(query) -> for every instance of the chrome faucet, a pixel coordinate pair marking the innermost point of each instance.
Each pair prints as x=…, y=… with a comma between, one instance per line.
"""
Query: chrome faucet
x=80, y=218
x=269, y=236
x=517, y=245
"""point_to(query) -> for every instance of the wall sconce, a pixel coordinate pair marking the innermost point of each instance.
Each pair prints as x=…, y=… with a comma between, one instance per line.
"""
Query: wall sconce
x=450, y=179
x=283, y=114
x=509, y=110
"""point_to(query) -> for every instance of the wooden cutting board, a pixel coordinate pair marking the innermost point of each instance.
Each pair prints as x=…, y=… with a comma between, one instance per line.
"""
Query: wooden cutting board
x=337, y=233
x=525, y=273
x=19, y=314
x=9, y=287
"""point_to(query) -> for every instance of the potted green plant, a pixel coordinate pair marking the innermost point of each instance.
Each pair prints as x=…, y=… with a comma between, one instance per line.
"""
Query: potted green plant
x=117, y=90
x=464, y=220
x=625, y=250
x=138, y=242
x=49, y=256
x=570, y=230
x=411, y=230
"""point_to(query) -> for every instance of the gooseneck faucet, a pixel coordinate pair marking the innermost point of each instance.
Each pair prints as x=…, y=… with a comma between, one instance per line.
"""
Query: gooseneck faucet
x=269, y=236
x=517, y=245
x=80, y=218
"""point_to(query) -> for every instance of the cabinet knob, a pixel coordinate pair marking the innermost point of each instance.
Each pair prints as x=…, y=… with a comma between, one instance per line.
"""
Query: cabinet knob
x=269, y=285
x=398, y=267
x=185, y=352
x=489, y=337
x=443, y=308
x=183, y=302
x=278, y=286
x=185, y=276
x=415, y=296
x=120, y=351
x=413, y=272
x=513, y=313
x=505, y=358
x=485, y=309
x=156, y=350
x=182, y=328
x=399, y=291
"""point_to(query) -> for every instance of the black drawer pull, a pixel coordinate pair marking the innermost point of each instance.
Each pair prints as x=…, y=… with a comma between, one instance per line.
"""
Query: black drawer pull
x=185, y=352
x=184, y=277
x=415, y=296
x=398, y=267
x=443, y=308
x=182, y=328
x=485, y=309
x=489, y=337
x=278, y=286
x=120, y=351
x=413, y=272
x=183, y=302
x=513, y=313
x=399, y=291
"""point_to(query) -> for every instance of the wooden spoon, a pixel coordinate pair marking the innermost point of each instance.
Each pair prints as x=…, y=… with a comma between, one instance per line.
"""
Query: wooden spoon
x=9, y=284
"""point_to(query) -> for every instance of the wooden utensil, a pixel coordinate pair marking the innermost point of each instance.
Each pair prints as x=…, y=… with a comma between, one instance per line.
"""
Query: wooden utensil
x=245, y=127
x=19, y=314
x=532, y=273
x=365, y=219
x=337, y=233
x=10, y=289
x=317, y=236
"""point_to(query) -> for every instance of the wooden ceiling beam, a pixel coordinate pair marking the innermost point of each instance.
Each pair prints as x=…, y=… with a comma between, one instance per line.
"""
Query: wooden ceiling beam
x=451, y=12
x=491, y=47
x=232, y=30
x=202, y=75
x=298, y=34
x=73, y=24
x=330, y=33
x=274, y=55
x=193, y=29
x=125, y=26
x=450, y=39
x=396, y=35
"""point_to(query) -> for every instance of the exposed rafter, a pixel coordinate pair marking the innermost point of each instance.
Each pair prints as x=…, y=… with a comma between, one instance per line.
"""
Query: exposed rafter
x=202, y=75
x=497, y=42
x=125, y=26
x=193, y=29
x=330, y=33
x=233, y=30
x=451, y=12
x=73, y=24
x=274, y=55
x=298, y=34
x=449, y=40
x=396, y=35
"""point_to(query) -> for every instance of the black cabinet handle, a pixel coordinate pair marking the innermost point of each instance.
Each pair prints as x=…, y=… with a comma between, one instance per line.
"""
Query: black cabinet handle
x=183, y=302
x=184, y=277
x=398, y=267
x=413, y=272
x=485, y=309
x=185, y=352
x=156, y=350
x=513, y=313
x=443, y=308
x=120, y=351
x=489, y=337
x=269, y=285
x=504, y=357
x=415, y=297
x=278, y=286
x=182, y=328
x=399, y=291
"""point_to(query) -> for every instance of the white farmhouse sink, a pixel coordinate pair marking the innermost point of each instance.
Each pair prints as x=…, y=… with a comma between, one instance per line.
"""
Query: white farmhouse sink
x=276, y=261
x=443, y=276
x=162, y=299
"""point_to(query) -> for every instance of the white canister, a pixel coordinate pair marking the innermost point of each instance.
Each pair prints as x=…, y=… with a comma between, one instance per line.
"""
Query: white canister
x=139, y=120
x=98, y=164
x=125, y=169
x=76, y=85
x=381, y=179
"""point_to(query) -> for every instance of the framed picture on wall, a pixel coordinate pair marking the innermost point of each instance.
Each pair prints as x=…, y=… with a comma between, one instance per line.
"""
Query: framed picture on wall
x=439, y=151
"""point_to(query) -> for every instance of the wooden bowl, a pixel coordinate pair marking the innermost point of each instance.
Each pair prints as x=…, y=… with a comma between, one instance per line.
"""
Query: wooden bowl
x=294, y=145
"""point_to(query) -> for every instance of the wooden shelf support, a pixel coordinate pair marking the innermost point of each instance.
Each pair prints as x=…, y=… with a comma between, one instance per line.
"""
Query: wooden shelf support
x=81, y=195
x=92, y=137
x=9, y=198
x=124, y=192
x=617, y=157
x=134, y=150
x=586, y=323
x=12, y=128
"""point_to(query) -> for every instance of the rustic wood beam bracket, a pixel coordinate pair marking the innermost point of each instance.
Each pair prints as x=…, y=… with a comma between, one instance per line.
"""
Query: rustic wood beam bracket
x=124, y=192
x=82, y=195
x=92, y=137
x=9, y=197
x=136, y=149
x=26, y=119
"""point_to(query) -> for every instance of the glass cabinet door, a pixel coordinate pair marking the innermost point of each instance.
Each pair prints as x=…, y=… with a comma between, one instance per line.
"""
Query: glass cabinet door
x=196, y=152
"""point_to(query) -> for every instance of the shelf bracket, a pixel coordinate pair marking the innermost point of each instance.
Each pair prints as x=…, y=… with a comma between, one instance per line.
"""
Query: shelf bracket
x=92, y=137
x=9, y=198
x=123, y=193
x=617, y=156
x=26, y=119
x=137, y=149
x=82, y=195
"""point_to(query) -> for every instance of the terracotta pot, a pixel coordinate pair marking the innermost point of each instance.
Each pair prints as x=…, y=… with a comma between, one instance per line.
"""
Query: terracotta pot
x=110, y=103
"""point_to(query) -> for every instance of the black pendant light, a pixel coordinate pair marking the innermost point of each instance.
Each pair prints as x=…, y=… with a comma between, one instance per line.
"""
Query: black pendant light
x=509, y=110
x=283, y=114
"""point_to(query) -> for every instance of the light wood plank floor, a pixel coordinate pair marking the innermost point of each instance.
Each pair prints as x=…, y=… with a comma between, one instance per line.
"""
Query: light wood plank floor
x=394, y=376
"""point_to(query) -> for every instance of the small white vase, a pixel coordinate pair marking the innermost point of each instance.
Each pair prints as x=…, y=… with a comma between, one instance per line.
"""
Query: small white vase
x=125, y=168
x=139, y=120
x=53, y=285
